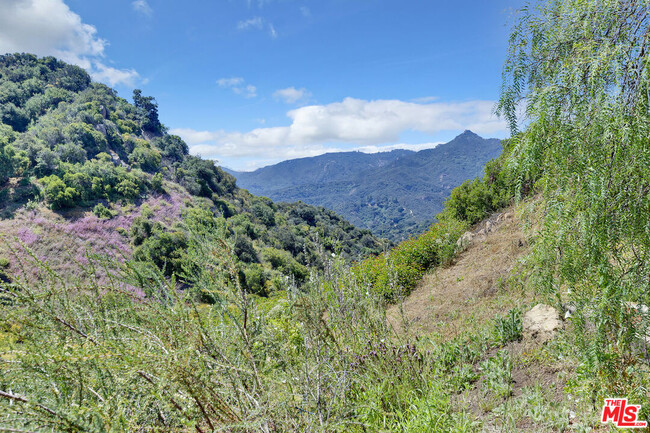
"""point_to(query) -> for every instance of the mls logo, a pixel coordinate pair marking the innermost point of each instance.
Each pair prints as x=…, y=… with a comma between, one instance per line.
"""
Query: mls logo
x=621, y=414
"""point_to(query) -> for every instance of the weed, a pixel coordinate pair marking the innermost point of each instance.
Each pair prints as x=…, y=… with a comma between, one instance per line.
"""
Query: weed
x=497, y=374
x=508, y=328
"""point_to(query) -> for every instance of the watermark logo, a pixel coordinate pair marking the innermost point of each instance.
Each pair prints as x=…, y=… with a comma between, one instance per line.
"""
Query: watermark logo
x=623, y=415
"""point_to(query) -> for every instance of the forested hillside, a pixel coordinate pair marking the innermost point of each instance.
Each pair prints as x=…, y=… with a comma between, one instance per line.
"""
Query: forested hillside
x=395, y=194
x=74, y=146
x=533, y=311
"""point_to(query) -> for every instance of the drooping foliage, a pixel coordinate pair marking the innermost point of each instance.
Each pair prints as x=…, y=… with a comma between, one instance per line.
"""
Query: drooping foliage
x=579, y=70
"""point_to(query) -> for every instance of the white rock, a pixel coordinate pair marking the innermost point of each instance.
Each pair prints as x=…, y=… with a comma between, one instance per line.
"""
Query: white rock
x=541, y=323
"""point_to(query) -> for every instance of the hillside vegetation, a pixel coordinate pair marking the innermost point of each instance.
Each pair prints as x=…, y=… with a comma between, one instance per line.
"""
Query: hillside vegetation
x=133, y=352
x=75, y=146
x=395, y=194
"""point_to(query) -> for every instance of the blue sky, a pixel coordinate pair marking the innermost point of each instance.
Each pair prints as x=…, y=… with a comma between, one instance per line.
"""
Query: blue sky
x=253, y=82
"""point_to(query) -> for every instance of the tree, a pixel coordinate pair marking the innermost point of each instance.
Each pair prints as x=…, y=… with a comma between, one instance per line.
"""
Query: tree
x=15, y=117
x=148, y=112
x=57, y=193
x=172, y=147
x=581, y=71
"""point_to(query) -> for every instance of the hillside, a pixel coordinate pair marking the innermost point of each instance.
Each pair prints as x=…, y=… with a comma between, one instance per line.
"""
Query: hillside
x=524, y=308
x=519, y=383
x=85, y=171
x=395, y=194
x=472, y=287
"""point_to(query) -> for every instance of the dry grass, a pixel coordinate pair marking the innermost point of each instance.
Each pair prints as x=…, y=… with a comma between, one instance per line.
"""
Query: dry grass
x=464, y=297
x=471, y=290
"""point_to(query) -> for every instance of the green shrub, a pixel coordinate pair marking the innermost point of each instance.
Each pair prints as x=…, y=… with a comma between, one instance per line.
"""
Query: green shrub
x=165, y=250
x=84, y=135
x=475, y=199
x=57, y=193
x=142, y=228
x=157, y=183
x=102, y=211
x=145, y=157
x=226, y=209
x=396, y=272
x=275, y=257
x=256, y=279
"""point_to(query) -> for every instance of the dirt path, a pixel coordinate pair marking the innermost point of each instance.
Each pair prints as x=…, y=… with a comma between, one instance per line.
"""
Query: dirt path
x=469, y=289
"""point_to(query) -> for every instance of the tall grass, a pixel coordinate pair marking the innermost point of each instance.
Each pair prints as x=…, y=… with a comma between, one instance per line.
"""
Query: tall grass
x=138, y=354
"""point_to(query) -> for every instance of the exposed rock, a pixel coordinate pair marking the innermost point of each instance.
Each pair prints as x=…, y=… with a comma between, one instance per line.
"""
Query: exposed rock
x=464, y=241
x=541, y=323
x=488, y=227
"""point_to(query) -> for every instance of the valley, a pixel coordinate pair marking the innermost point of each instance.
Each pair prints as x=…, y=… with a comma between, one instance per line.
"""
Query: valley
x=481, y=285
x=394, y=194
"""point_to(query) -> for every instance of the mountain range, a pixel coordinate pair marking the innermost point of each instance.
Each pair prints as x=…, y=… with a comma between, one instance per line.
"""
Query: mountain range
x=395, y=194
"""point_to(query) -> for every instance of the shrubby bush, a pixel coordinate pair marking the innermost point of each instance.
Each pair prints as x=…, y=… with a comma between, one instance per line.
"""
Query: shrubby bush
x=102, y=211
x=165, y=249
x=475, y=199
x=57, y=193
x=395, y=273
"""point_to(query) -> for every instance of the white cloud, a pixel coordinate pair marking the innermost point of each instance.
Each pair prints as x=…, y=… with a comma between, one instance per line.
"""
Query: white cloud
x=251, y=91
x=405, y=146
x=253, y=23
x=50, y=28
x=142, y=6
x=230, y=82
x=257, y=23
x=356, y=123
x=112, y=76
x=236, y=84
x=272, y=31
x=291, y=95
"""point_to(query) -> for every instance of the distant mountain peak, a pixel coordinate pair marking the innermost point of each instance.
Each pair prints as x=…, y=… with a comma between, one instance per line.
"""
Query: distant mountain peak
x=468, y=133
x=395, y=194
